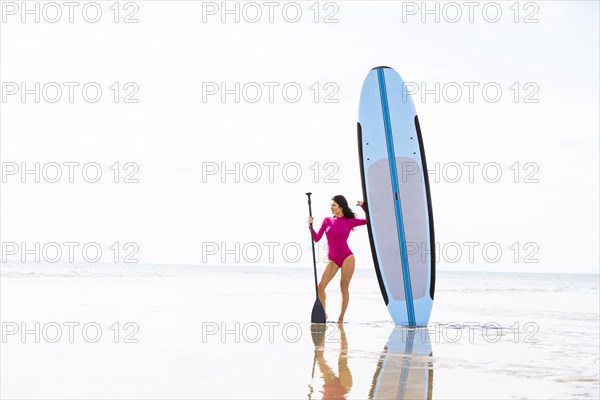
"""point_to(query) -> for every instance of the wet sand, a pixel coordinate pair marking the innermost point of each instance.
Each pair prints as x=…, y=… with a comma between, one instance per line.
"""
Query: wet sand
x=230, y=332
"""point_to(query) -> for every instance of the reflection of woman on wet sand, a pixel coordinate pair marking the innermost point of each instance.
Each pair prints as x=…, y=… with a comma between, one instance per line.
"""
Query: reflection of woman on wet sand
x=335, y=387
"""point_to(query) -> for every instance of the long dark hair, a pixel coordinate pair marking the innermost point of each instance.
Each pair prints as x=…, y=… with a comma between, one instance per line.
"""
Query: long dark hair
x=343, y=203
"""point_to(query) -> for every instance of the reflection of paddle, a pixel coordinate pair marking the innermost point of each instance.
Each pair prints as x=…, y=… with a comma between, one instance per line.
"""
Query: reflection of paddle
x=318, y=336
x=312, y=377
x=318, y=313
x=317, y=331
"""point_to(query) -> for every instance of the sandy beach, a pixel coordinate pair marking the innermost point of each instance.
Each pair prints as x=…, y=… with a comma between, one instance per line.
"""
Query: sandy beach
x=150, y=331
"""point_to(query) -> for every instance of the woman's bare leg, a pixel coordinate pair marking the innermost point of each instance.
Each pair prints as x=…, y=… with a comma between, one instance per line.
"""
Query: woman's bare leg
x=347, y=272
x=328, y=274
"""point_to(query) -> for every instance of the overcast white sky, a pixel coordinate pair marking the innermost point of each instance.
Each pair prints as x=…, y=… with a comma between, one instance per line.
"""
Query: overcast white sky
x=172, y=57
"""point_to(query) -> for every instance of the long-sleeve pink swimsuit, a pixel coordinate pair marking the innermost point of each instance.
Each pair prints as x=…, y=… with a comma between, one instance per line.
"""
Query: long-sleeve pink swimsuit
x=337, y=231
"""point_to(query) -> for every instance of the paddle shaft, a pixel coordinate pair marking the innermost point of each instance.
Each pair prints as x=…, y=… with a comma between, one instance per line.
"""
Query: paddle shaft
x=312, y=240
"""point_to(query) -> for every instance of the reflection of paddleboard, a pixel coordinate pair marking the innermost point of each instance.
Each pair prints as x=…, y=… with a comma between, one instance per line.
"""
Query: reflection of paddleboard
x=404, y=370
x=396, y=189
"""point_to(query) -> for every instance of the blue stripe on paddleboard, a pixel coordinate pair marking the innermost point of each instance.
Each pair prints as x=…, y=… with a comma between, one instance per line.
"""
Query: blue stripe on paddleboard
x=392, y=157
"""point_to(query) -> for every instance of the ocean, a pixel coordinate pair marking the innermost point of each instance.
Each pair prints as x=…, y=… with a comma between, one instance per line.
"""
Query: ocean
x=138, y=331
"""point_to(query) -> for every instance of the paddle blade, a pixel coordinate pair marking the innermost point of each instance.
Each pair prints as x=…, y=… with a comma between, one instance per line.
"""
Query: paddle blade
x=318, y=313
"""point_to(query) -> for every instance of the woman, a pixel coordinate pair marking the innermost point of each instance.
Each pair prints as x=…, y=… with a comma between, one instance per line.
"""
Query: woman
x=337, y=229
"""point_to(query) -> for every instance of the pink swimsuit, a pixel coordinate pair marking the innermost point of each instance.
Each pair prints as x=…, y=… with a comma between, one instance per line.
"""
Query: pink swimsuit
x=337, y=231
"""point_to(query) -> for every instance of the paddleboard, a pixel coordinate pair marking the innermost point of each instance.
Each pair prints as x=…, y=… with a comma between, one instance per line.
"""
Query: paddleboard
x=396, y=190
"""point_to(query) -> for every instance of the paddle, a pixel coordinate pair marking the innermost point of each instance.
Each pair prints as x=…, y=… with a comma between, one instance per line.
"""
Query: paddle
x=318, y=313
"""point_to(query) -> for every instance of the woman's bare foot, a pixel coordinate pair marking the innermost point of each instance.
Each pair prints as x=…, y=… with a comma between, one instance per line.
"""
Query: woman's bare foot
x=340, y=320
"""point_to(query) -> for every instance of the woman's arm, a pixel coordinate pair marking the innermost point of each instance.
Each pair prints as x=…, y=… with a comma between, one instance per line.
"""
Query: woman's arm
x=319, y=235
x=360, y=221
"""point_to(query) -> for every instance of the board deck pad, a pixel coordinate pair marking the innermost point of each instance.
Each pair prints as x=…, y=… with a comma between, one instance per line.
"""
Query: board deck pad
x=396, y=189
